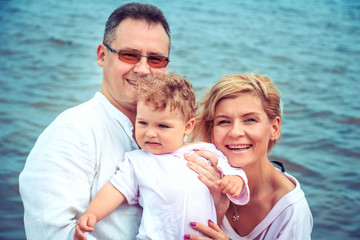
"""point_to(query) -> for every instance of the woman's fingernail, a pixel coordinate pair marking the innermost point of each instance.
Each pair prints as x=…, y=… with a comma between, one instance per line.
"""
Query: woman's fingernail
x=211, y=221
x=187, y=236
x=193, y=224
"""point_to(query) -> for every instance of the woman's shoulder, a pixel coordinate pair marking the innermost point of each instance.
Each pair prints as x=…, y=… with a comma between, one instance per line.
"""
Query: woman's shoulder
x=283, y=184
x=292, y=213
x=289, y=193
x=291, y=207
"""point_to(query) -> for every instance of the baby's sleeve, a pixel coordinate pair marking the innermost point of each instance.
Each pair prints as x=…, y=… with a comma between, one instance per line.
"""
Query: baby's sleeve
x=125, y=181
x=226, y=169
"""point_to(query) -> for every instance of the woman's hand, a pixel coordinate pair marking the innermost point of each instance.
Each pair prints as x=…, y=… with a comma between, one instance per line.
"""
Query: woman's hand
x=213, y=231
x=209, y=175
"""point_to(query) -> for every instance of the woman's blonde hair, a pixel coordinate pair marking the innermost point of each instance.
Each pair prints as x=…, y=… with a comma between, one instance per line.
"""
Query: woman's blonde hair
x=231, y=86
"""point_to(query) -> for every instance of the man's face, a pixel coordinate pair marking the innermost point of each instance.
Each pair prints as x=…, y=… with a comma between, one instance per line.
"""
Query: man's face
x=120, y=79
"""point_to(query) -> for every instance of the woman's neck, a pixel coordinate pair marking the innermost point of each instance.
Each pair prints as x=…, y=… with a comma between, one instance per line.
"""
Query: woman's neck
x=259, y=177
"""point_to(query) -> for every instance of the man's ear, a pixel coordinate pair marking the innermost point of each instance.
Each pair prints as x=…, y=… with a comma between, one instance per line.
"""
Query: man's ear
x=189, y=126
x=100, y=55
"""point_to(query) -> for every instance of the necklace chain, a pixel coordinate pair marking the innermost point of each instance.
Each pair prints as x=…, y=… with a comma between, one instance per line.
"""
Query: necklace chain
x=236, y=215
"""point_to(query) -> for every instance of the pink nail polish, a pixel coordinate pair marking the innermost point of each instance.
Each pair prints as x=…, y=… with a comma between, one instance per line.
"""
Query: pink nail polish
x=187, y=236
x=193, y=224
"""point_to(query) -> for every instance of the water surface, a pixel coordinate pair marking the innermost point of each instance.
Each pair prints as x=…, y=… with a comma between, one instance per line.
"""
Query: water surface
x=309, y=48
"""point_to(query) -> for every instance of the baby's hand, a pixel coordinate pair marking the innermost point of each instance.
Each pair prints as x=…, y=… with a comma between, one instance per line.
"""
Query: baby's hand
x=231, y=184
x=85, y=223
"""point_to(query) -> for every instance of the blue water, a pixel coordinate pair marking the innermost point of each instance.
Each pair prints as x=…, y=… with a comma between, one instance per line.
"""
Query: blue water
x=311, y=49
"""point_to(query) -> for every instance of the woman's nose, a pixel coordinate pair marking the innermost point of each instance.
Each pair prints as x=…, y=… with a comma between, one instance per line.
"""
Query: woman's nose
x=237, y=130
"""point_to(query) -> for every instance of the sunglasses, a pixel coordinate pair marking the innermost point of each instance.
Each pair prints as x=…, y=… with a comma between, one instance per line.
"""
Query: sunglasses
x=132, y=57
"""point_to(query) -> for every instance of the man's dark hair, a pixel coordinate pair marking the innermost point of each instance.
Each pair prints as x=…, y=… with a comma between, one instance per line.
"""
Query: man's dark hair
x=136, y=11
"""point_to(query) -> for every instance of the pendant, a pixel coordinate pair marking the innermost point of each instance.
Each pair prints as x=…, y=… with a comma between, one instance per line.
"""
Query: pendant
x=235, y=217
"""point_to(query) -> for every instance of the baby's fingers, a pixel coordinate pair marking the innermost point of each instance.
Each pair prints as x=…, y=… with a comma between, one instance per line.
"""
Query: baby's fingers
x=91, y=223
x=79, y=234
x=234, y=191
x=86, y=224
x=229, y=188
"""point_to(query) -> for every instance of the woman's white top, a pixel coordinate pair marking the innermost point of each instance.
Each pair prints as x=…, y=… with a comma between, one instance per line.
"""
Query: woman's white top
x=290, y=218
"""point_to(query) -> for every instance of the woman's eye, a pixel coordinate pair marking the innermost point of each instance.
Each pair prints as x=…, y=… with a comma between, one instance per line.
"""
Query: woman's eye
x=222, y=122
x=250, y=120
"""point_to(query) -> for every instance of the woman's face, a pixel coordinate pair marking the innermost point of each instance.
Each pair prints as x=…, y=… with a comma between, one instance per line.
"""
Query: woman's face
x=242, y=130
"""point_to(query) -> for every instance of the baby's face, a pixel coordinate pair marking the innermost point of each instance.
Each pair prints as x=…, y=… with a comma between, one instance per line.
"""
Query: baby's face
x=159, y=131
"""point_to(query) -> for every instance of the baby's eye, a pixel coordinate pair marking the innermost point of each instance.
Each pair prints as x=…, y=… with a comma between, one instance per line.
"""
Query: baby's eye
x=142, y=123
x=163, y=126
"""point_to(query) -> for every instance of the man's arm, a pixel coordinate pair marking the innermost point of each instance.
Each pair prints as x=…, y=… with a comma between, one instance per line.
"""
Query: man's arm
x=56, y=181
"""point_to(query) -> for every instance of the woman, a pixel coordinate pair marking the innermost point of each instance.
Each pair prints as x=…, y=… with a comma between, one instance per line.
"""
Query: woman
x=241, y=115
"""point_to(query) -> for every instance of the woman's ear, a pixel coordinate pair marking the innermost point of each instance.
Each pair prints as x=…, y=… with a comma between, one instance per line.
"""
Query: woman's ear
x=100, y=55
x=189, y=126
x=212, y=133
x=276, y=128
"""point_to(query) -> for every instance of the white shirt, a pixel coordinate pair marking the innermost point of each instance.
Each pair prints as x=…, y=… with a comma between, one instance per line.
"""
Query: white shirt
x=290, y=218
x=170, y=193
x=72, y=159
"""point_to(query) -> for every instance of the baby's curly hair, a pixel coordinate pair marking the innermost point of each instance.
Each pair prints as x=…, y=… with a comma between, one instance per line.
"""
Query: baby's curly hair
x=162, y=90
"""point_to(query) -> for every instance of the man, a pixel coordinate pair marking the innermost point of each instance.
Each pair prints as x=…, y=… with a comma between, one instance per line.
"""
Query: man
x=77, y=154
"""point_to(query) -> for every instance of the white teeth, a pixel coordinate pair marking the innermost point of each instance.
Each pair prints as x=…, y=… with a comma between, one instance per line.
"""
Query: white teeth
x=135, y=83
x=239, y=147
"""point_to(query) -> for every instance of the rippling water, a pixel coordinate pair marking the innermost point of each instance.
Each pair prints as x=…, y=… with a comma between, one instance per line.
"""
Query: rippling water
x=311, y=49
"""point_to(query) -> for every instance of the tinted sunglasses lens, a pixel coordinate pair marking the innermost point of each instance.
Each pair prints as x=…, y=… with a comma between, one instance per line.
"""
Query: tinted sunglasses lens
x=157, y=61
x=129, y=56
x=134, y=57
